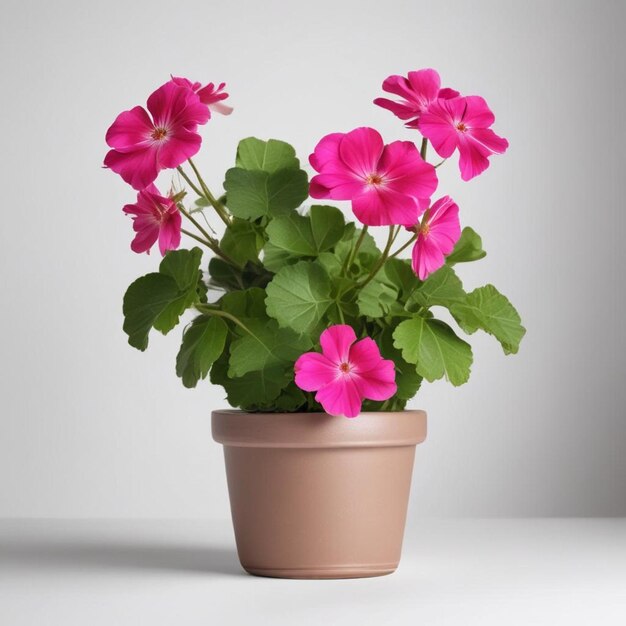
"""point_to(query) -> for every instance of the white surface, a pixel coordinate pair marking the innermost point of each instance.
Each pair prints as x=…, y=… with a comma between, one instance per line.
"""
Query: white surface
x=90, y=427
x=454, y=572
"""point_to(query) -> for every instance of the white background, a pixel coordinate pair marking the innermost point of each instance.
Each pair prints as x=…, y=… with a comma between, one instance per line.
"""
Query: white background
x=91, y=427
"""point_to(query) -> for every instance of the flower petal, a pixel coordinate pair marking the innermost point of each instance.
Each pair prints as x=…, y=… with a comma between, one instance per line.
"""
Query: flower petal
x=379, y=383
x=130, y=130
x=326, y=153
x=444, y=226
x=364, y=355
x=341, y=397
x=426, y=257
x=338, y=186
x=145, y=238
x=477, y=113
x=406, y=172
x=383, y=206
x=138, y=168
x=336, y=341
x=180, y=146
x=472, y=157
x=361, y=149
x=425, y=85
x=169, y=234
x=314, y=370
x=402, y=110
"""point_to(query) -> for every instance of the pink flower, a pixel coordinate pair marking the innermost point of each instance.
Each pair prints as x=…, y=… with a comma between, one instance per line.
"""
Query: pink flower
x=463, y=123
x=154, y=217
x=383, y=182
x=143, y=145
x=437, y=234
x=208, y=94
x=346, y=372
x=417, y=91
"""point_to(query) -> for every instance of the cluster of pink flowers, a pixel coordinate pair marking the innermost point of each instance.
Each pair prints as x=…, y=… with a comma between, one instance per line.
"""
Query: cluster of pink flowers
x=143, y=143
x=392, y=184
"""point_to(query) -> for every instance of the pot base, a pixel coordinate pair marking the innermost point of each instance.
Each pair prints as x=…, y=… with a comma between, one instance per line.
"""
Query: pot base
x=325, y=573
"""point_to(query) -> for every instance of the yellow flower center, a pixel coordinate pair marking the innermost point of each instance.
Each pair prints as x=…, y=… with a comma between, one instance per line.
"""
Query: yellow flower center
x=159, y=133
x=374, y=179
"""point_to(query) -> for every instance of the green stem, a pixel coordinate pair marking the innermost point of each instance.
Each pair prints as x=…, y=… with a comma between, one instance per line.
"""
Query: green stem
x=188, y=180
x=403, y=247
x=390, y=239
x=424, y=148
x=200, y=239
x=208, y=309
x=352, y=253
x=209, y=241
x=219, y=208
x=440, y=163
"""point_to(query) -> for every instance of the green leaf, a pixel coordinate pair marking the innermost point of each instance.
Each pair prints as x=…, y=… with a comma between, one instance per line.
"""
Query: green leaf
x=242, y=241
x=182, y=266
x=386, y=292
x=292, y=236
x=268, y=346
x=434, y=349
x=255, y=389
x=443, y=288
x=245, y=304
x=203, y=342
x=299, y=295
x=290, y=399
x=368, y=253
x=407, y=378
x=225, y=276
x=144, y=301
x=377, y=298
x=269, y=156
x=486, y=308
x=253, y=193
x=400, y=274
x=469, y=247
x=158, y=300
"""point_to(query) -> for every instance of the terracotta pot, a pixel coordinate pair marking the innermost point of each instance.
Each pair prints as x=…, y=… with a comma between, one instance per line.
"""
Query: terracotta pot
x=316, y=496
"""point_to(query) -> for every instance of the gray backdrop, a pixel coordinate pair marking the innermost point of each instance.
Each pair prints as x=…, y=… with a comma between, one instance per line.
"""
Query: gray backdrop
x=91, y=427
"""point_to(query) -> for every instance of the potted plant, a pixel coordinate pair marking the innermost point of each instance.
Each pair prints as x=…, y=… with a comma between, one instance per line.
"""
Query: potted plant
x=303, y=319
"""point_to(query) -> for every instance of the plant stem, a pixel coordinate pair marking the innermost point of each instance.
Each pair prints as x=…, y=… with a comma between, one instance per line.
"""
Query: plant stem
x=200, y=239
x=424, y=148
x=209, y=309
x=352, y=253
x=219, y=208
x=440, y=163
x=188, y=180
x=209, y=241
x=390, y=239
x=403, y=247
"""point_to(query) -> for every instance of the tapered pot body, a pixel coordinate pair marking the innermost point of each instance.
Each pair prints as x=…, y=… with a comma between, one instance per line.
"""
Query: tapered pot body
x=317, y=496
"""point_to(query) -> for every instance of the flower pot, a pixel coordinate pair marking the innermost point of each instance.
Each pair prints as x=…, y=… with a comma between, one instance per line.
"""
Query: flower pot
x=316, y=496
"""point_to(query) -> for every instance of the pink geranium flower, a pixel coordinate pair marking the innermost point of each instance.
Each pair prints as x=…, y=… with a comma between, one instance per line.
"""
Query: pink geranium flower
x=209, y=94
x=437, y=234
x=417, y=91
x=143, y=144
x=346, y=372
x=154, y=217
x=463, y=123
x=383, y=182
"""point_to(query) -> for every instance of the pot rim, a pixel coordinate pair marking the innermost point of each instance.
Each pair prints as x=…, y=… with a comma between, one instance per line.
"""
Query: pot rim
x=236, y=428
